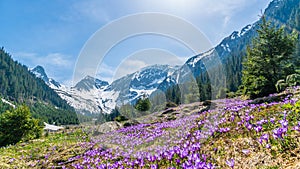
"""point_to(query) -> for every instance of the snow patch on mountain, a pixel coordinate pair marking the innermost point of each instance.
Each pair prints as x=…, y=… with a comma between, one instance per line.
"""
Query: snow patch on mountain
x=234, y=35
x=197, y=58
x=226, y=47
x=142, y=92
x=245, y=30
x=107, y=101
x=7, y=102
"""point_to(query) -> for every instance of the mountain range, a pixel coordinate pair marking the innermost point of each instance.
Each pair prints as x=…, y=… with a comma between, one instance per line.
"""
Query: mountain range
x=92, y=96
x=220, y=66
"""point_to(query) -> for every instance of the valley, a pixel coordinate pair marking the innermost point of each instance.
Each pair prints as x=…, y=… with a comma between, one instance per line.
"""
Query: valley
x=235, y=105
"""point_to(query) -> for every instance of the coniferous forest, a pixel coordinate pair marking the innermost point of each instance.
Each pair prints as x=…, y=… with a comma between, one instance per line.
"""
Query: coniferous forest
x=20, y=86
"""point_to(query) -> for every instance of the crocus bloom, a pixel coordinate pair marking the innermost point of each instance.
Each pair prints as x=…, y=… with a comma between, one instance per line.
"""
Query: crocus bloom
x=246, y=152
x=272, y=120
x=230, y=163
x=277, y=133
x=284, y=123
x=258, y=128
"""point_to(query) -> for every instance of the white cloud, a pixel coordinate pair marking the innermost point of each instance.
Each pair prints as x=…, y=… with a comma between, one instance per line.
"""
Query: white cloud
x=57, y=65
x=54, y=59
x=215, y=18
x=199, y=7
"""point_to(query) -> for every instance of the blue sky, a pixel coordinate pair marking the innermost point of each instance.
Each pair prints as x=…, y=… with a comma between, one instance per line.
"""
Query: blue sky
x=52, y=33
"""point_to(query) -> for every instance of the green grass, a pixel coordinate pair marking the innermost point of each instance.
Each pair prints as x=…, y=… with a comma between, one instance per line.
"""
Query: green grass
x=44, y=152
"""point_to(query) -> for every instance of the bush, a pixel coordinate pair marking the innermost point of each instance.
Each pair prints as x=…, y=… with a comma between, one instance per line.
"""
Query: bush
x=281, y=85
x=18, y=125
x=120, y=118
x=293, y=80
x=231, y=95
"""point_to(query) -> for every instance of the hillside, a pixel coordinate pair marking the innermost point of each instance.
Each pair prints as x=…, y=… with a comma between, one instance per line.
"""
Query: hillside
x=230, y=53
x=20, y=86
x=233, y=133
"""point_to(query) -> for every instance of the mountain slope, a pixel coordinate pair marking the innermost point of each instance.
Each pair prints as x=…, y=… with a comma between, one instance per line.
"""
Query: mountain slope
x=85, y=95
x=22, y=87
x=231, y=50
x=142, y=82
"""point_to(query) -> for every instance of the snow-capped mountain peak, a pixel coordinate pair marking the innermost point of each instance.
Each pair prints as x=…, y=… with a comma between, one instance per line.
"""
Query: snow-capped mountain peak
x=142, y=82
x=89, y=83
x=39, y=72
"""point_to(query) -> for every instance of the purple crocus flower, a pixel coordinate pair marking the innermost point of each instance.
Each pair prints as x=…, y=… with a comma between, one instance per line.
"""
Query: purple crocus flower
x=258, y=128
x=296, y=128
x=240, y=123
x=284, y=123
x=272, y=120
x=230, y=163
x=245, y=151
x=277, y=133
x=154, y=166
x=247, y=118
x=232, y=118
x=249, y=126
x=264, y=137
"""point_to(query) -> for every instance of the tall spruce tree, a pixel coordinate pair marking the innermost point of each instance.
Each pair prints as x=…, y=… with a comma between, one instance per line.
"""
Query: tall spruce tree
x=268, y=60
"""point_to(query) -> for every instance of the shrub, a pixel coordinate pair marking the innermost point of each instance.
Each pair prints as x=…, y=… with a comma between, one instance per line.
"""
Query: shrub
x=18, y=125
x=120, y=118
x=293, y=80
x=281, y=85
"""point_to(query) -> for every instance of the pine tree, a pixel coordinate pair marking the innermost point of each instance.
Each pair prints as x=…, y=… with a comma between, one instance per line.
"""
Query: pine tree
x=269, y=60
x=143, y=104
